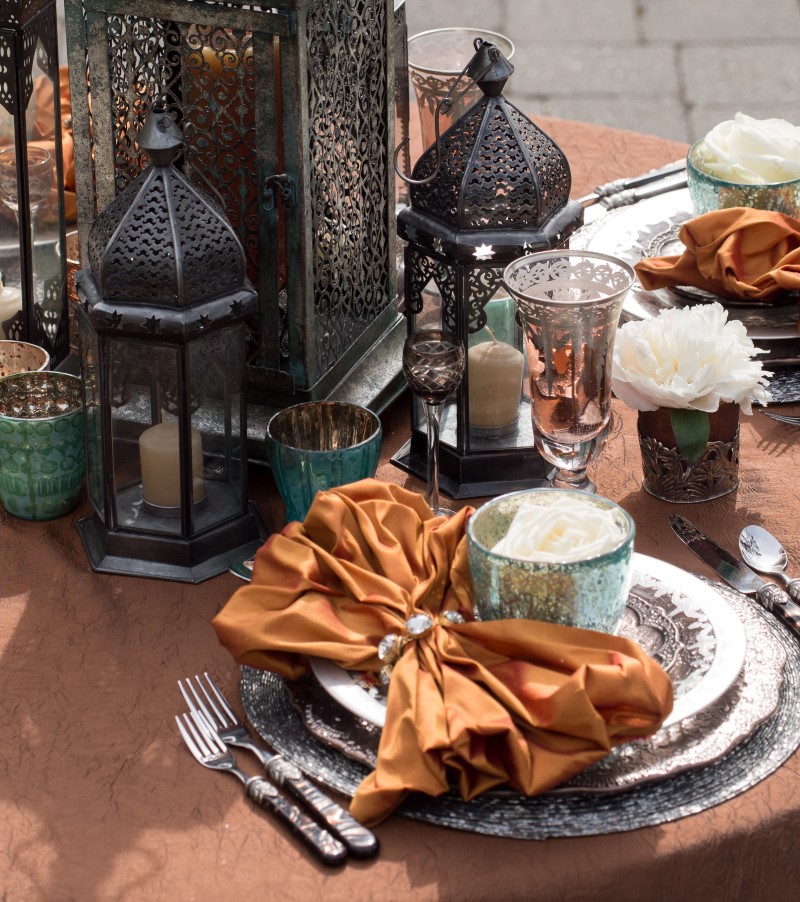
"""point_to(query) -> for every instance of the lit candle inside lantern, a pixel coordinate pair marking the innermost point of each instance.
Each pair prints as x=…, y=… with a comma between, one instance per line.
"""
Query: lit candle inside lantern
x=10, y=305
x=159, y=455
x=495, y=384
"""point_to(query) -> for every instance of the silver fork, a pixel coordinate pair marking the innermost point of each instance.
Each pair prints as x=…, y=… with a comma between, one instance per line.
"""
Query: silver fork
x=211, y=752
x=782, y=418
x=360, y=841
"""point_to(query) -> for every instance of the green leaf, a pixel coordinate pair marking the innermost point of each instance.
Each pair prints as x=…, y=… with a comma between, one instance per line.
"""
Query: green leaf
x=691, y=429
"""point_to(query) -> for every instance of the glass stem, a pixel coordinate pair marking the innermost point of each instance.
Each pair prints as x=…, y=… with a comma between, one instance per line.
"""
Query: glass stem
x=433, y=413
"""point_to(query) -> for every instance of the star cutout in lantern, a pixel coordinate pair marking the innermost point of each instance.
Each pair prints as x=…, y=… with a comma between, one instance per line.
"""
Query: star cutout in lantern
x=437, y=245
x=204, y=322
x=484, y=252
x=236, y=308
x=114, y=320
x=527, y=246
x=153, y=323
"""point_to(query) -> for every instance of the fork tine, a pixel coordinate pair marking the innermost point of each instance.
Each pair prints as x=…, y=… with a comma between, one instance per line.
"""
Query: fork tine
x=209, y=734
x=221, y=698
x=221, y=719
x=198, y=755
x=196, y=703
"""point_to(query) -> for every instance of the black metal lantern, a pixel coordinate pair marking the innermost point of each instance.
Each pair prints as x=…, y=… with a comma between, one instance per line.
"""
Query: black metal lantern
x=33, y=301
x=492, y=188
x=162, y=332
x=288, y=116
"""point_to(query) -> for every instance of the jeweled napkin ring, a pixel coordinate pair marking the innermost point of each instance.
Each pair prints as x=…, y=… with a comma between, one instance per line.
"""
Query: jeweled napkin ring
x=417, y=627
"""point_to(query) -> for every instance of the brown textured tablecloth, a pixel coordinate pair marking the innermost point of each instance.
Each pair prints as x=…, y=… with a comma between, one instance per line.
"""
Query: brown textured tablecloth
x=99, y=800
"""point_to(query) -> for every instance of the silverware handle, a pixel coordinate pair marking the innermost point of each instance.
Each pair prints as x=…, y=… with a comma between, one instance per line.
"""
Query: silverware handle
x=361, y=842
x=326, y=847
x=793, y=588
x=633, y=195
x=777, y=602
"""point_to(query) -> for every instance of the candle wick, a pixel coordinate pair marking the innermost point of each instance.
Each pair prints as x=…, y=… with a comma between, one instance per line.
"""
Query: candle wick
x=491, y=333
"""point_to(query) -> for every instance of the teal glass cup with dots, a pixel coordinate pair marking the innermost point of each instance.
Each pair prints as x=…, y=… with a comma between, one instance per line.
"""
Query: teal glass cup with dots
x=42, y=460
x=587, y=592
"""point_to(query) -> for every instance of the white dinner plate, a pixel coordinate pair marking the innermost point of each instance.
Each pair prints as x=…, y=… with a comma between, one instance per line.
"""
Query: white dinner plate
x=682, y=622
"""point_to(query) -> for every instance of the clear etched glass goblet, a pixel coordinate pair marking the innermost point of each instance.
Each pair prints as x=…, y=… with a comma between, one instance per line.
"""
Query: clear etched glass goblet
x=569, y=303
x=433, y=364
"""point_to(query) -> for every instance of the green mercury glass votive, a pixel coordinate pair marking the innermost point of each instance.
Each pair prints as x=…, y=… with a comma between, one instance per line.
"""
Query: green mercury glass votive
x=320, y=445
x=42, y=462
x=588, y=593
x=711, y=193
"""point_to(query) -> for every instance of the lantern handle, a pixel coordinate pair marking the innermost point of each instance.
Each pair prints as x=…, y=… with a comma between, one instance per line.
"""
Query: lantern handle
x=445, y=104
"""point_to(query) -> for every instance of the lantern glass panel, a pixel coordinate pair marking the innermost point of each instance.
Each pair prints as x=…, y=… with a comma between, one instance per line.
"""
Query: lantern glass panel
x=144, y=390
x=39, y=227
x=212, y=366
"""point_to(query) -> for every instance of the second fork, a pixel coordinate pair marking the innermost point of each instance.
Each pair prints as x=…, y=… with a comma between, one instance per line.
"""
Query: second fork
x=360, y=842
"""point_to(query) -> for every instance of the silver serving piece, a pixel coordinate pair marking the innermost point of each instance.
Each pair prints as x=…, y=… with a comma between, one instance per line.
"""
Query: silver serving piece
x=765, y=554
x=625, y=188
x=216, y=711
x=736, y=574
x=211, y=752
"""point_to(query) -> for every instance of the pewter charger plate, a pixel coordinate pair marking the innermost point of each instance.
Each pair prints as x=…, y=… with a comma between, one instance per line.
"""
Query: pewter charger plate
x=679, y=621
x=762, y=747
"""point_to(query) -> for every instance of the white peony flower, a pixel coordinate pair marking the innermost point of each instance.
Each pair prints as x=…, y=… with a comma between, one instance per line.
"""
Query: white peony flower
x=691, y=359
x=572, y=530
x=751, y=151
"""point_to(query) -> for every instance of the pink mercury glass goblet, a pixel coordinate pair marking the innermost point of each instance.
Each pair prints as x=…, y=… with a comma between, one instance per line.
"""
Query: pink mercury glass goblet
x=569, y=303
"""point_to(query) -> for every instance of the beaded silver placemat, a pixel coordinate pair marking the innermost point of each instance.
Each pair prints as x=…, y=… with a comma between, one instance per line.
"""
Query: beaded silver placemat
x=269, y=706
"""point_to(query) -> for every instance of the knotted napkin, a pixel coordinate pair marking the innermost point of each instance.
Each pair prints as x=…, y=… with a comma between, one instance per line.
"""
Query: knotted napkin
x=474, y=705
x=739, y=252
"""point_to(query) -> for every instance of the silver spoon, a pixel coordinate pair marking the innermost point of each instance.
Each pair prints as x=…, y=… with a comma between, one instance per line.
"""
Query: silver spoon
x=763, y=552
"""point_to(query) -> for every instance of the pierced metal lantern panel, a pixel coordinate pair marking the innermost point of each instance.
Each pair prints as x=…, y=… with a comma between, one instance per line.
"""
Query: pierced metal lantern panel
x=288, y=116
x=33, y=301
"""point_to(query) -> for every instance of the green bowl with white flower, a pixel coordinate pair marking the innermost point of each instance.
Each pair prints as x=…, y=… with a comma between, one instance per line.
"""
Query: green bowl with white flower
x=746, y=162
x=556, y=555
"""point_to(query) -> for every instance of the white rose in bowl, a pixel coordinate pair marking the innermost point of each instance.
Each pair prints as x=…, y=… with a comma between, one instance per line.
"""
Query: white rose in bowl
x=750, y=151
x=691, y=359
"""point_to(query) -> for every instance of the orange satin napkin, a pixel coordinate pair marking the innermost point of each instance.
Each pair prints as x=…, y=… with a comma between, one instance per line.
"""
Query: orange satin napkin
x=740, y=252
x=474, y=705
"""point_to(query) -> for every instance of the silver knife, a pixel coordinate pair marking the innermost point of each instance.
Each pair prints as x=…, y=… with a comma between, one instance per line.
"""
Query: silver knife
x=736, y=574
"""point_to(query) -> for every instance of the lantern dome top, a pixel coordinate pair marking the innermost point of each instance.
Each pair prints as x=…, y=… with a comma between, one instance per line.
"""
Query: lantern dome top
x=160, y=242
x=497, y=171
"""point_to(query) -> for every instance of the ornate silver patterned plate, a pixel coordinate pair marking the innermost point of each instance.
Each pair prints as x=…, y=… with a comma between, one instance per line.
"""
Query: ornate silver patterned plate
x=649, y=228
x=764, y=742
x=678, y=620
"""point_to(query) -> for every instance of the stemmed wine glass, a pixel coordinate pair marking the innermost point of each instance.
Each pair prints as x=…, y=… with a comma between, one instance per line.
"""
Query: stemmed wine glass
x=569, y=303
x=433, y=364
x=40, y=177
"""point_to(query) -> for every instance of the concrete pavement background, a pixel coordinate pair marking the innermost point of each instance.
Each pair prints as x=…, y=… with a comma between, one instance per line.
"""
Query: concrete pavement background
x=672, y=68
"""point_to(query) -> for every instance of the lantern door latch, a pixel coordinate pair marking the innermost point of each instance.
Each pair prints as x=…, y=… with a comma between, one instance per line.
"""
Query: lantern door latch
x=275, y=185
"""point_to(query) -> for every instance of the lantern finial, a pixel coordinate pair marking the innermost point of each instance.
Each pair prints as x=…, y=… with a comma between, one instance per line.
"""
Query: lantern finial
x=160, y=137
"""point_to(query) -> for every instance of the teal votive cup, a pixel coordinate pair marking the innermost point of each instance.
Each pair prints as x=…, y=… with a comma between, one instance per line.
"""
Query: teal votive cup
x=42, y=461
x=320, y=445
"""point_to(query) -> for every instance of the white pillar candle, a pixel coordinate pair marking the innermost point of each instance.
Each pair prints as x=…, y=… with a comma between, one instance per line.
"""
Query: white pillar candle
x=10, y=304
x=495, y=384
x=159, y=455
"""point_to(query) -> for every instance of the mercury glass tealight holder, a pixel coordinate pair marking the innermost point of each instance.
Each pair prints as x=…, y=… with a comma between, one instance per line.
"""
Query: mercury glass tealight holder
x=320, y=445
x=708, y=192
x=42, y=462
x=589, y=593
